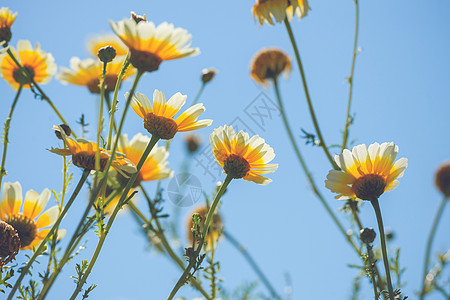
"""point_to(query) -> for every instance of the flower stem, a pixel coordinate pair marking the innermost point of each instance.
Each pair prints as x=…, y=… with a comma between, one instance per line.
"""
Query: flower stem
x=6, y=134
x=43, y=95
x=305, y=169
x=104, y=233
x=208, y=221
x=100, y=120
x=200, y=91
x=376, y=207
x=252, y=263
x=372, y=271
x=429, y=243
x=308, y=98
x=39, y=250
x=348, y=119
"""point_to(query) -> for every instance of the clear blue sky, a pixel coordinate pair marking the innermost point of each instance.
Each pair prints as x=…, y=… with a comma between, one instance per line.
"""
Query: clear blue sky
x=401, y=94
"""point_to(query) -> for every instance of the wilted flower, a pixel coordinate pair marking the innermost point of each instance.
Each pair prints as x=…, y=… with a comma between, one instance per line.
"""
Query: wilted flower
x=366, y=173
x=159, y=116
x=241, y=156
x=39, y=65
x=269, y=64
x=266, y=10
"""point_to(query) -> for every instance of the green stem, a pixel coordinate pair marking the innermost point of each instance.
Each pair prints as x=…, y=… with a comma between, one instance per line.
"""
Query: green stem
x=160, y=234
x=43, y=95
x=38, y=251
x=208, y=220
x=119, y=205
x=372, y=272
x=376, y=207
x=200, y=91
x=6, y=134
x=350, y=79
x=429, y=243
x=308, y=98
x=100, y=121
x=108, y=104
x=252, y=264
x=305, y=169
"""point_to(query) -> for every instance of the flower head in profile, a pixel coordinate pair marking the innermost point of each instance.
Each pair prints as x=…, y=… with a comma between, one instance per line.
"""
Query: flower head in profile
x=149, y=45
x=366, y=172
x=28, y=225
x=268, y=64
x=155, y=165
x=241, y=156
x=267, y=10
x=7, y=18
x=39, y=65
x=88, y=72
x=84, y=154
x=96, y=43
x=442, y=179
x=213, y=231
x=159, y=116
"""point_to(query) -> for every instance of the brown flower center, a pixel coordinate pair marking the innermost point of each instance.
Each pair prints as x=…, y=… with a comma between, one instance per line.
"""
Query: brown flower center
x=144, y=61
x=86, y=160
x=124, y=180
x=110, y=84
x=443, y=179
x=5, y=34
x=25, y=227
x=21, y=78
x=369, y=187
x=236, y=166
x=9, y=243
x=165, y=128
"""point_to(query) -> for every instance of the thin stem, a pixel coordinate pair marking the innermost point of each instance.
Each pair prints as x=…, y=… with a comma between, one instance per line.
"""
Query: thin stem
x=376, y=207
x=6, y=134
x=108, y=104
x=305, y=169
x=200, y=91
x=252, y=263
x=208, y=220
x=39, y=250
x=43, y=95
x=429, y=243
x=100, y=120
x=350, y=79
x=308, y=98
x=372, y=273
x=104, y=233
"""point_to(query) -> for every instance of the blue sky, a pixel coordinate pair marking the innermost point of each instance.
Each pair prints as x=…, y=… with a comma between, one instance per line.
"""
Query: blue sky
x=401, y=94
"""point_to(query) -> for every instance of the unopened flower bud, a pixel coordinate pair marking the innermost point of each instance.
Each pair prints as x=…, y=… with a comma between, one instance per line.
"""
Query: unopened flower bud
x=192, y=143
x=106, y=54
x=443, y=179
x=66, y=129
x=208, y=75
x=9, y=243
x=367, y=235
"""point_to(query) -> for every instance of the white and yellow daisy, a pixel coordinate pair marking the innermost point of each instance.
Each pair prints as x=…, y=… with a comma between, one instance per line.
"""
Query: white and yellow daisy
x=149, y=45
x=366, y=172
x=159, y=117
x=96, y=43
x=28, y=225
x=7, y=18
x=241, y=156
x=39, y=65
x=267, y=10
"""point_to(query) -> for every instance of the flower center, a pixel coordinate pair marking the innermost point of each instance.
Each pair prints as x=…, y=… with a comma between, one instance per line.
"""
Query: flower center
x=110, y=84
x=9, y=243
x=124, y=180
x=20, y=78
x=5, y=34
x=165, y=128
x=25, y=227
x=144, y=61
x=236, y=166
x=369, y=187
x=86, y=160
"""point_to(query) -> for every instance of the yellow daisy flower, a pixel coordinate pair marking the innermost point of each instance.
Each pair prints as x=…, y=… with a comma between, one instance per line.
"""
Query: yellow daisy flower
x=88, y=72
x=241, y=156
x=149, y=45
x=154, y=167
x=215, y=227
x=27, y=224
x=96, y=43
x=83, y=155
x=269, y=64
x=39, y=65
x=7, y=18
x=159, y=117
x=366, y=172
x=267, y=10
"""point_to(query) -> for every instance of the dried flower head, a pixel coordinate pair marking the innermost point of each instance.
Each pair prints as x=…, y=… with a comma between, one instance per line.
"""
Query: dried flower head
x=208, y=75
x=39, y=65
x=9, y=243
x=7, y=18
x=26, y=223
x=149, y=45
x=267, y=10
x=366, y=173
x=106, y=54
x=241, y=156
x=192, y=142
x=367, y=235
x=66, y=129
x=268, y=64
x=159, y=117
x=443, y=179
